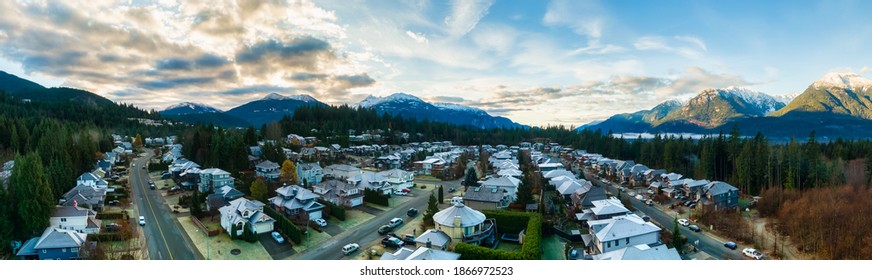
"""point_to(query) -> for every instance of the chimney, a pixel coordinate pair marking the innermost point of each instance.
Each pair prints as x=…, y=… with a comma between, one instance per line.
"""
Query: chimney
x=429, y=244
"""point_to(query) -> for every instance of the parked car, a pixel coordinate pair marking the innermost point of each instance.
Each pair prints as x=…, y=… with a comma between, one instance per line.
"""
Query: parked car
x=640, y=197
x=752, y=253
x=451, y=190
x=687, y=203
x=650, y=191
x=384, y=229
x=395, y=222
x=692, y=205
x=142, y=220
x=694, y=228
x=409, y=239
x=321, y=222
x=730, y=244
x=683, y=222
x=649, y=202
x=399, y=193
x=278, y=237
x=350, y=248
x=406, y=190
x=412, y=212
x=151, y=186
x=392, y=242
x=646, y=218
x=631, y=193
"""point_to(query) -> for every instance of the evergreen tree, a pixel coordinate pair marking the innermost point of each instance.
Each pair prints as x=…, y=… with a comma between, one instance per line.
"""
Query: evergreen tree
x=432, y=209
x=31, y=196
x=258, y=189
x=677, y=239
x=525, y=193
x=250, y=136
x=471, y=179
x=5, y=222
x=288, y=173
x=441, y=193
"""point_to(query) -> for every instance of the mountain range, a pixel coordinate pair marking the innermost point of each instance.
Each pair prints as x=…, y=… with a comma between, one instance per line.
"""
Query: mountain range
x=838, y=104
x=409, y=106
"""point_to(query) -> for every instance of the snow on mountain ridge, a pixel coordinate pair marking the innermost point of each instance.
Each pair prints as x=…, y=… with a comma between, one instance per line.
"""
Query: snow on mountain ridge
x=193, y=106
x=756, y=98
x=457, y=107
x=300, y=97
x=370, y=100
x=843, y=80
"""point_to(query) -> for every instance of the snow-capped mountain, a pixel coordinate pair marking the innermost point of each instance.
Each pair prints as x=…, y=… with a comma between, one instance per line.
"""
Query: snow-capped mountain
x=189, y=108
x=272, y=107
x=714, y=107
x=786, y=98
x=410, y=106
x=839, y=93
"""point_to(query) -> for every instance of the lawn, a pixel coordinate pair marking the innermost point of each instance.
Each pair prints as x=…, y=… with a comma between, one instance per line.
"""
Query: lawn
x=314, y=238
x=553, y=247
x=426, y=178
x=509, y=246
x=376, y=206
x=219, y=246
x=353, y=218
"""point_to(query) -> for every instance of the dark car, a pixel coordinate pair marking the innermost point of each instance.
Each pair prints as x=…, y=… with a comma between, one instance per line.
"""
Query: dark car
x=646, y=218
x=694, y=228
x=385, y=229
x=687, y=203
x=409, y=239
x=412, y=212
x=451, y=190
x=732, y=245
x=392, y=242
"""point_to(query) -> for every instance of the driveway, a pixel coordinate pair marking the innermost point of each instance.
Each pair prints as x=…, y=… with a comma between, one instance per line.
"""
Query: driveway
x=276, y=251
x=369, y=209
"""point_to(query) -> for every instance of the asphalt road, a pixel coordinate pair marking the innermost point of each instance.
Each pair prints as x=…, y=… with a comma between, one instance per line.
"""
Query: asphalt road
x=707, y=244
x=366, y=233
x=165, y=239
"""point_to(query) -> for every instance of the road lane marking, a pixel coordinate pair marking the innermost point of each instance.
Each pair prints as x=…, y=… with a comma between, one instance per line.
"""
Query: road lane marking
x=154, y=216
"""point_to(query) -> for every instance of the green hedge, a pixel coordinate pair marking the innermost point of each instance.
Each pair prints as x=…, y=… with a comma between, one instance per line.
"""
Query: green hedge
x=376, y=197
x=333, y=209
x=509, y=222
x=284, y=225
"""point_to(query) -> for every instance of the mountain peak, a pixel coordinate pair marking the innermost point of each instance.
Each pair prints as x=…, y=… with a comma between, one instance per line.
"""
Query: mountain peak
x=458, y=107
x=186, y=108
x=370, y=100
x=274, y=96
x=842, y=80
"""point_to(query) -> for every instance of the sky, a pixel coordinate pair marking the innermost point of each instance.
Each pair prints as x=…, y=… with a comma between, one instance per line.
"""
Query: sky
x=536, y=62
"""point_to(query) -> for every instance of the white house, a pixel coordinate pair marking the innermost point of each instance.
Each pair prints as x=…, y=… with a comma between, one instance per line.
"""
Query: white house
x=340, y=193
x=294, y=200
x=422, y=253
x=212, y=178
x=341, y=171
x=621, y=232
x=371, y=181
x=309, y=173
x=509, y=185
x=464, y=224
x=268, y=170
x=641, y=252
x=398, y=178
x=90, y=179
x=75, y=218
x=242, y=211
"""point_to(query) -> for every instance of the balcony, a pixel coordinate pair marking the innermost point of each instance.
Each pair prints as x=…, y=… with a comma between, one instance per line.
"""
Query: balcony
x=488, y=229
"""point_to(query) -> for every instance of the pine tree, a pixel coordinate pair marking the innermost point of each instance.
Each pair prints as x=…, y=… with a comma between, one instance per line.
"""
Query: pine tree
x=432, y=209
x=471, y=179
x=258, y=189
x=5, y=222
x=289, y=173
x=441, y=193
x=677, y=239
x=31, y=196
x=525, y=193
x=250, y=136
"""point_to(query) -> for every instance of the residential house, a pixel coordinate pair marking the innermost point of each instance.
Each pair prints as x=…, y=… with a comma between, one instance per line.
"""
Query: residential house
x=421, y=253
x=297, y=202
x=585, y=200
x=340, y=193
x=509, y=185
x=465, y=224
x=637, y=176
x=692, y=188
x=268, y=170
x=670, y=177
x=222, y=196
x=91, y=179
x=486, y=198
x=341, y=171
x=75, y=218
x=510, y=173
x=568, y=187
x=392, y=161
x=399, y=179
x=243, y=211
x=372, y=181
x=557, y=173
x=84, y=196
x=641, y=252
x=212, y=178
x=180, y=165
x=721, y=195
x=602, y=210
x=309, y=173
x=545, y=167
x=255, y=151
x=653, y=175
x=53, y=244
x=432, y=238
x=430, y=166
x=621, y=232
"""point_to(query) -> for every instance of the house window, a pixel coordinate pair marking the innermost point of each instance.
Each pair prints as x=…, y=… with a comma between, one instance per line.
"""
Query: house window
x=63, y=220
x=617, y=242
x=628, y=241
x=239, y=226
x=608, y=244
x=74, y=250
x=63, y=250
x=43, y=251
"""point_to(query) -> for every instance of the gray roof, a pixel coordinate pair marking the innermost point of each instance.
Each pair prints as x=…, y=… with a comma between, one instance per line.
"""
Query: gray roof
x=309, y=165
x=28, y=248
x=53, y=238
x=437, y=238
x=608, y=207
x=72, y=211
x=622, y=227
x=484, y=194
x=641, y=252
x=395, y=173
x=596, y=193
x=718, y=188
x=424, y=253
x=401, y=254
x=229, y=192
x=88, y=176
x=343, y=167
x=468, y=216
x=502, y=182
x=266, y=164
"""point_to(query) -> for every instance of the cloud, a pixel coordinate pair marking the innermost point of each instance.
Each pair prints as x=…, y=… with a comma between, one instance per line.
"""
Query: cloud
x=586, y=18
x=173, y=64
x=465, y=15
x=418, y=37
x=302, y=52
x=686, y=46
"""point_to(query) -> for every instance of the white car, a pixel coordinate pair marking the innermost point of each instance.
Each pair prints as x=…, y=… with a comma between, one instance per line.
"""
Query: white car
x=752, y=253
x=141, y=220
x=683, y=222
x=350, y=248
x=399, y=193
x=278, y=237
x=321, y=222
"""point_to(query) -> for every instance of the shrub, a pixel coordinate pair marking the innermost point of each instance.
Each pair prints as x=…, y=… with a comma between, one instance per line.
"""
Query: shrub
x=375, y=197
x=334, y=210
x=284, y=225
x=111, y=216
